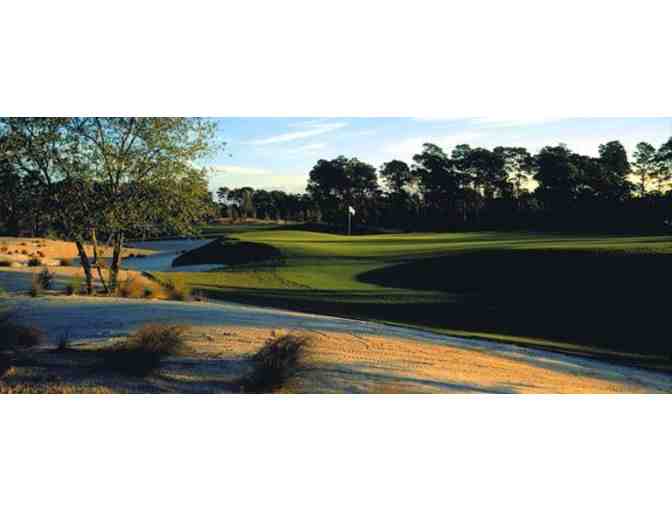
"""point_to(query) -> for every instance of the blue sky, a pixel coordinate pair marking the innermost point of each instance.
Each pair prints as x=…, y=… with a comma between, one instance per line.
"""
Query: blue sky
x=278, y=153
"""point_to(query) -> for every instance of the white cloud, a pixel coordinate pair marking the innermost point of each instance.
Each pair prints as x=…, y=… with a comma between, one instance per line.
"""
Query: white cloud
x=311, y=147
x=318, y=129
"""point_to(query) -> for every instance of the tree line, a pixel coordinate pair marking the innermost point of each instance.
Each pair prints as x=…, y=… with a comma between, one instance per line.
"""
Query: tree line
x=88, y=178
x=475, y=187
x=275, y=205
x=506, y=187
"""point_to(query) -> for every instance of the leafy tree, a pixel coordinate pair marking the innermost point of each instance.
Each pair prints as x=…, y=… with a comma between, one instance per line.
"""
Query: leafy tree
x=263, y=204
x=613, y=181
x=113, y=174
x=518, y=165
x=439, y=180
x=341, y=182
x=664, y=164
x=484, y=168
x=396, y=175
x=128, y=155
x=558, y=176
x=645, y=165
x=246, y=204
x=223, y=194
x=14, y=204
x=398, y=178
x=48, y=151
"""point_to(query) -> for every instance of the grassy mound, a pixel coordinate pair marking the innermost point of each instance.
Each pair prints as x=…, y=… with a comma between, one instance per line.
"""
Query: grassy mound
x=228, y=253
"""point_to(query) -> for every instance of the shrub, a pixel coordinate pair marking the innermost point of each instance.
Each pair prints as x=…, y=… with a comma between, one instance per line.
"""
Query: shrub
x=141, y=354
x=177, y=290
x=46, y=279
x=63, y=342
x=34, y=262
x=157, y=338
x=17, y=337
x=36, y=288
x=137, y=287
x=74, y=286
x=128, y=288
x=5, y=364
x=278, y=361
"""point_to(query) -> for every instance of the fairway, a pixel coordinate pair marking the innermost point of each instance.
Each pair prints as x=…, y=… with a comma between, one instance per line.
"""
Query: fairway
x=590, y=294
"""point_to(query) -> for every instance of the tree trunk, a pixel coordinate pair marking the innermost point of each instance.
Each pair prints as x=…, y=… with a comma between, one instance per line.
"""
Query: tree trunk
x=116, y=259
x=96, y=261
x=86, y=265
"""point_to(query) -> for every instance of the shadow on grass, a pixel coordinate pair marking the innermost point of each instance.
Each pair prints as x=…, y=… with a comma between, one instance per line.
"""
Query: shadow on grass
x=609, y=300
x=614, y=301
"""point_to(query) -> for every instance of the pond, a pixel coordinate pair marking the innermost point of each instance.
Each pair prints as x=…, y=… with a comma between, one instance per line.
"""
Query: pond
x=166, y=252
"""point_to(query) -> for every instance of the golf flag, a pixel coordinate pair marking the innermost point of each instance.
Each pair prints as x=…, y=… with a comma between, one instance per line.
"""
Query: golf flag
x=351, y=210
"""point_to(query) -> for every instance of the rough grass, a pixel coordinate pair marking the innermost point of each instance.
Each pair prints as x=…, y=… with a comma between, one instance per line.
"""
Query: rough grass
x=275, y=364
x=141, y=354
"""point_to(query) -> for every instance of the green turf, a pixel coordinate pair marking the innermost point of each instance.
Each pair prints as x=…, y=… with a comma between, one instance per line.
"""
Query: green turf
x=591, y=294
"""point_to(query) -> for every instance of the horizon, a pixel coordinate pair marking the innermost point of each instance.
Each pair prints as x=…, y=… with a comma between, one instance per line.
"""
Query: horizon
x=279, y=152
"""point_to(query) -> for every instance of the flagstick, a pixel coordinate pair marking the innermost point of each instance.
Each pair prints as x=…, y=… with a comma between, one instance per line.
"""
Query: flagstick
x=349, y=216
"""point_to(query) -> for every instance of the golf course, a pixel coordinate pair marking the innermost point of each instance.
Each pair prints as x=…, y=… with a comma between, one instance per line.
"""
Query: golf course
x=595, y=295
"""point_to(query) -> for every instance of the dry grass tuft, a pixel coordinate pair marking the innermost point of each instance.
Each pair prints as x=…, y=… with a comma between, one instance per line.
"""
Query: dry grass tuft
x=133, y=287
x=74, y=286
x=276, y=363
x=44, y=280
x=141, y=354
x=160, y=339
x=178, y=290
